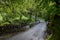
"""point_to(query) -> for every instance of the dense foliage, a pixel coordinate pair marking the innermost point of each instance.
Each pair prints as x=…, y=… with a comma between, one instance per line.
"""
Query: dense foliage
x=18, y=12
x=54, y=26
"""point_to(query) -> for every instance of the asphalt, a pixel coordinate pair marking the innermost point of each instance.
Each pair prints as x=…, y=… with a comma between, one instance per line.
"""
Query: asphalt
x=35, y=33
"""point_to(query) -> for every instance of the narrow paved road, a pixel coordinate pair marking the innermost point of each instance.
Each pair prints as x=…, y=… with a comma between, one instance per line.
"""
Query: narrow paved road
x=35, y=33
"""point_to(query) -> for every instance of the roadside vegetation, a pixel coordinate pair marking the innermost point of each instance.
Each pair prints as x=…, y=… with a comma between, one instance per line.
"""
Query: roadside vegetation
x=20, y=13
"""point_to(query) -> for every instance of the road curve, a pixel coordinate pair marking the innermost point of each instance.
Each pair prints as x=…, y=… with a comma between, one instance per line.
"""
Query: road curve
x=35, y=33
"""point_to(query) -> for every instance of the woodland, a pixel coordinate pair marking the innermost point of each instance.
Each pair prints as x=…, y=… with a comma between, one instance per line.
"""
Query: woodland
x=19, y=13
